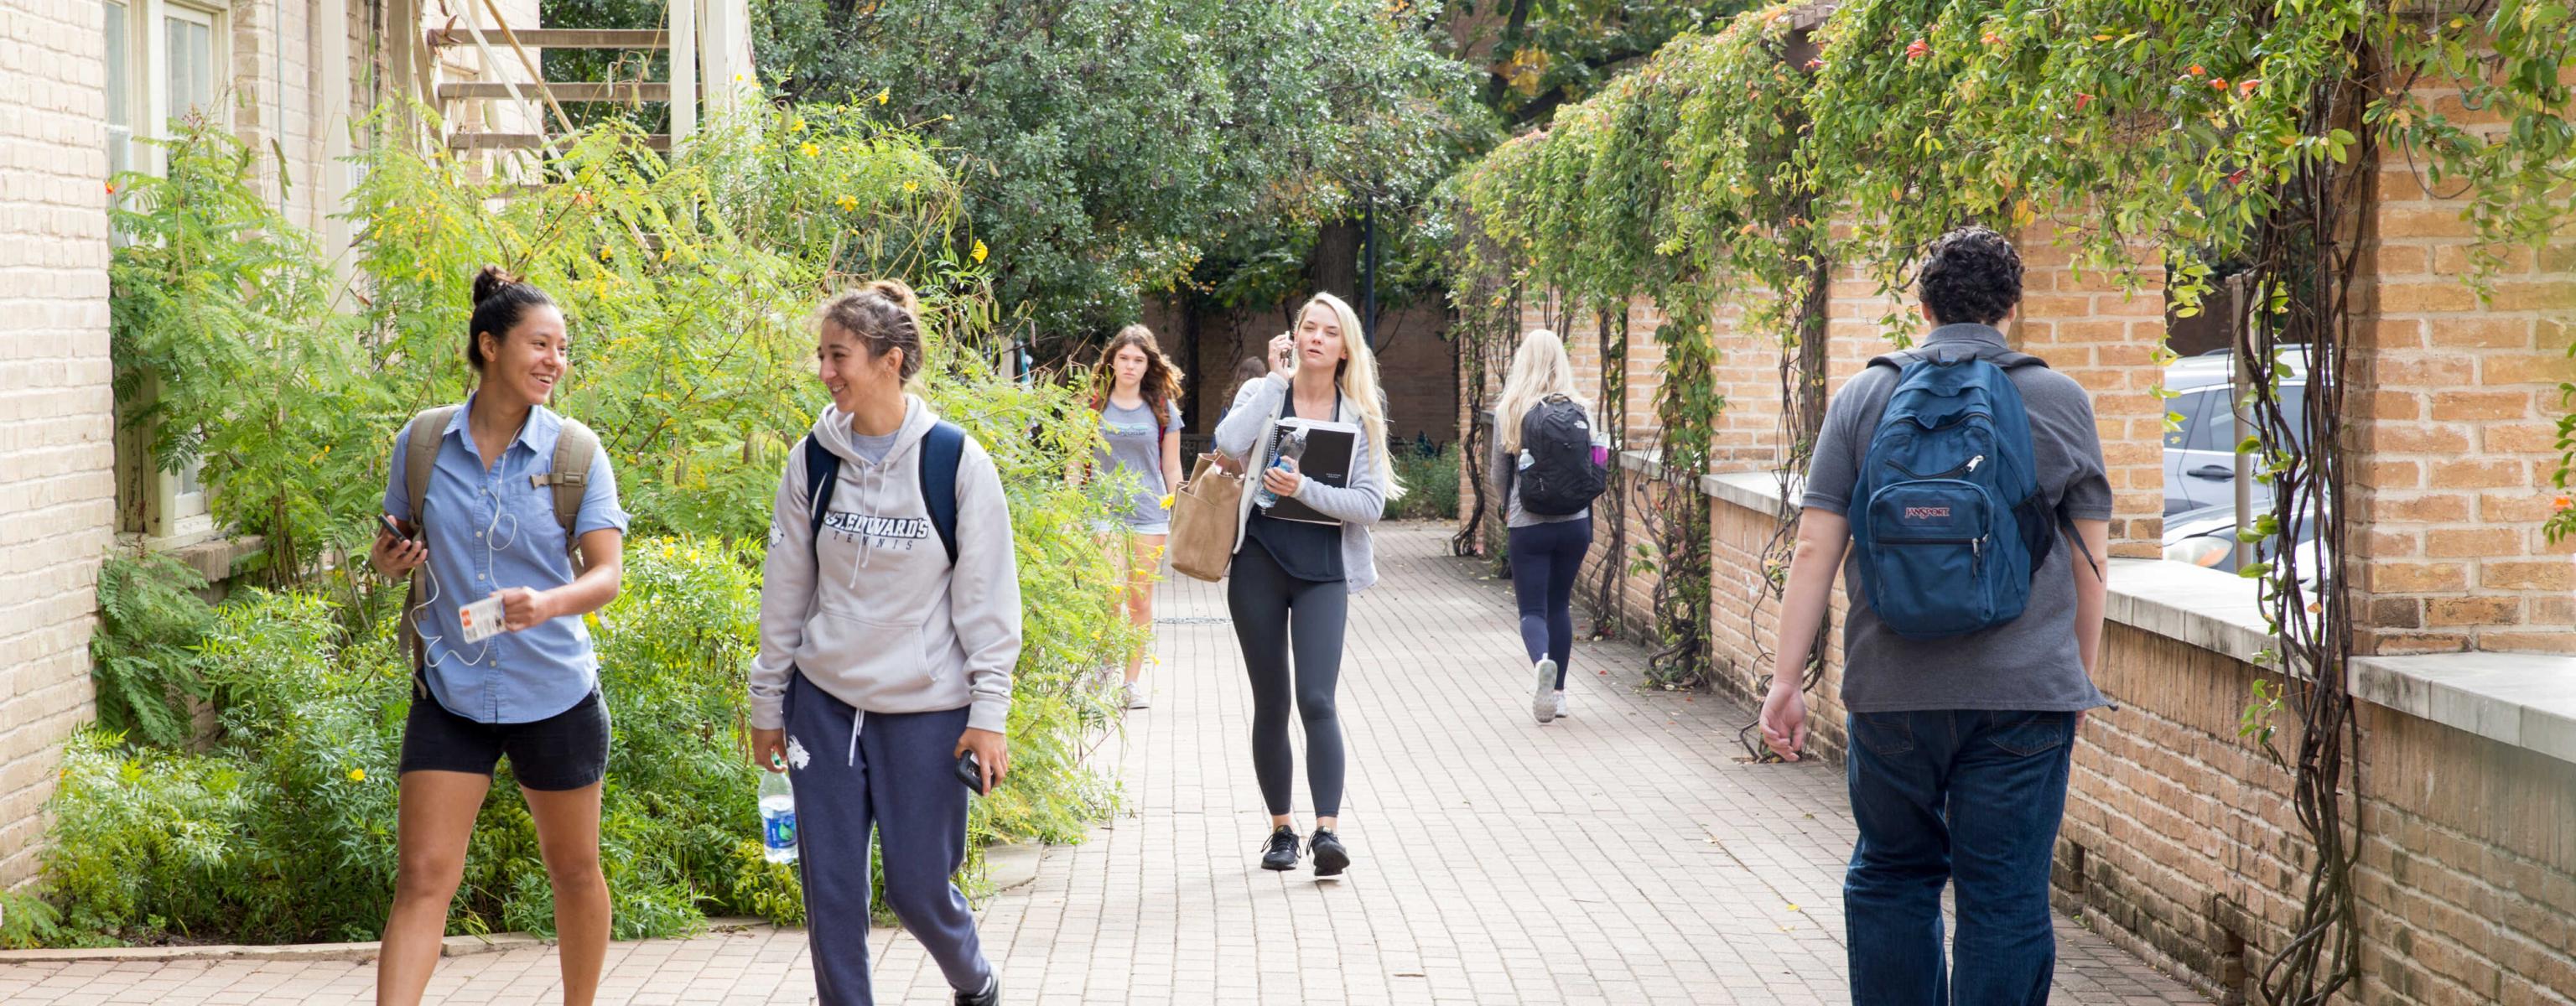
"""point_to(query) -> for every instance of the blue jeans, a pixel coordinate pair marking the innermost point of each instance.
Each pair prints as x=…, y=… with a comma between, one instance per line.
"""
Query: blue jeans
x=1965, y=796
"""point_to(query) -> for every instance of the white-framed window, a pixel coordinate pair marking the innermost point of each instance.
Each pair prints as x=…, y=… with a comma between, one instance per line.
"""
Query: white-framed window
x=166, y=59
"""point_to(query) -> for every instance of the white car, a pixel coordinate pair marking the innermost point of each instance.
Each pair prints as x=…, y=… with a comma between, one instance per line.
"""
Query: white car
x=2207, y=537
x=2200, y=458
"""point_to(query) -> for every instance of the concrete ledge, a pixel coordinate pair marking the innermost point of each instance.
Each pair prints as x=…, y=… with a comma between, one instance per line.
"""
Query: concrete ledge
x=453, y=946
x=2523, y=700
x=1009, y=866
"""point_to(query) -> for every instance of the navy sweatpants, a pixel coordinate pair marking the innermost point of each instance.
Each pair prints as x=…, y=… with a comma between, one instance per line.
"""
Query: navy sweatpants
x=899, y=779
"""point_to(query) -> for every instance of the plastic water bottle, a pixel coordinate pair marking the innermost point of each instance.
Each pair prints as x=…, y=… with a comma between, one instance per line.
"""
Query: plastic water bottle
x=777, y=818
x=1292, y=447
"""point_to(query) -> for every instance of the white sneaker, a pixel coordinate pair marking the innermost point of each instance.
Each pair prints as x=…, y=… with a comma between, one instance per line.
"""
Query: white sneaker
x=1543, y=700
x=1560, y=705
x=1136, y=695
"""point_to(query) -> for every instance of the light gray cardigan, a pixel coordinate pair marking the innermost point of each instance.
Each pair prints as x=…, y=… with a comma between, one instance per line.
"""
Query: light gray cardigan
x=1240, y=434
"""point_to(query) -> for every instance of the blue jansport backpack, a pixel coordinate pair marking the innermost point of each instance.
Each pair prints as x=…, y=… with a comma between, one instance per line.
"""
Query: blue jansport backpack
x=1949, y=525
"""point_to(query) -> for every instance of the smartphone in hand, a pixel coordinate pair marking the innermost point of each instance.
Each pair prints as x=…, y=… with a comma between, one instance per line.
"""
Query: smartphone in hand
x=970, y=770
x=386, y=526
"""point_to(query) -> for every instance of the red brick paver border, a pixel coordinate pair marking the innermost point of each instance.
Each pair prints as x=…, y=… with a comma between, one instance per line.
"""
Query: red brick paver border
x=1623, y=855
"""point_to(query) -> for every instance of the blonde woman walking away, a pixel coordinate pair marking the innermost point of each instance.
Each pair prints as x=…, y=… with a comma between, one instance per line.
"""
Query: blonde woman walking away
x=1543, y=463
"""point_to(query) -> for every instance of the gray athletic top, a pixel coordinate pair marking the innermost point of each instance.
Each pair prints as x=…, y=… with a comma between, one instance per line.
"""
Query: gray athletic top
x=1135, y=446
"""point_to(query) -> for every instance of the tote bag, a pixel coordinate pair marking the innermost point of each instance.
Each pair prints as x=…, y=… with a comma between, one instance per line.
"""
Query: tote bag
x=1205, y=515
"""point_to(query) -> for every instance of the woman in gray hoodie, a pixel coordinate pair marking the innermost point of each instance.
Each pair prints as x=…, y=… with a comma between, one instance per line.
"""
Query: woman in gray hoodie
x=1289, y=585
x=889, y=624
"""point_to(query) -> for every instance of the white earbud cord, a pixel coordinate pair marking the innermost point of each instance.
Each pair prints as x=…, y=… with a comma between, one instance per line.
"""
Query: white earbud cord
x=492, y=546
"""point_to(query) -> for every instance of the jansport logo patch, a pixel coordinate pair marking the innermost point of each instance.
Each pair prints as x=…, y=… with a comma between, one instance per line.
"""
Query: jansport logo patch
x=1926, y=512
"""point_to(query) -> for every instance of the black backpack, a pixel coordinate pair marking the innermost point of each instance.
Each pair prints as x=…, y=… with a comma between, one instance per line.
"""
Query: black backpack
x=1561, y=478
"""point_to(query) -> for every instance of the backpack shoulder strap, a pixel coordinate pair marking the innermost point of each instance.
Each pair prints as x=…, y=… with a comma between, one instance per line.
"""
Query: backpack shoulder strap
x=426, y=431
x=576, y=447
x=420, y=456
x=822, y=474
x=942, y=450
x=2011, y=360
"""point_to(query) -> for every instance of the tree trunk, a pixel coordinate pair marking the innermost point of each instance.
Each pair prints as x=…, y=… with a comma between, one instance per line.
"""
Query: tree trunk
x=1334, y=267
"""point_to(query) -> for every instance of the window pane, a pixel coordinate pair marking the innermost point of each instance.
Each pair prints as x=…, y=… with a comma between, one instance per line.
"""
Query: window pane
x=120, y=110
x=192, y=66
x=2187, y=405
x=2214, y=424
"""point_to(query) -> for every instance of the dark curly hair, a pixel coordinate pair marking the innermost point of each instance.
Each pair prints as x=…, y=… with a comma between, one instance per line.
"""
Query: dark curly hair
x=1970, y=275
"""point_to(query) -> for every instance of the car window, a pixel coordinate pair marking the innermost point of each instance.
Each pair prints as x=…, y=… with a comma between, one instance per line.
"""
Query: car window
x=2186, y=405
x=2209, y=427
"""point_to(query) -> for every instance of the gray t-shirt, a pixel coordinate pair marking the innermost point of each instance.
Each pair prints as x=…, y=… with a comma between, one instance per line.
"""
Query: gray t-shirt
x=2030, y=663
x=1135, y=446
x=873, y=448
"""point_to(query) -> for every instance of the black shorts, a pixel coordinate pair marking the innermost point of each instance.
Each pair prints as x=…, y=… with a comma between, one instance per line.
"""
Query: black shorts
x=568, y=750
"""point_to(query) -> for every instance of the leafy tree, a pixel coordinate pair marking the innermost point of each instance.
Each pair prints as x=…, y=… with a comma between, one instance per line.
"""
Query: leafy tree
x=1107, y=147
x=1539, y=54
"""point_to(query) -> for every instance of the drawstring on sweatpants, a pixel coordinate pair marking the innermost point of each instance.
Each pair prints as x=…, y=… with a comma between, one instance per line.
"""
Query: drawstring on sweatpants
x=856, y=723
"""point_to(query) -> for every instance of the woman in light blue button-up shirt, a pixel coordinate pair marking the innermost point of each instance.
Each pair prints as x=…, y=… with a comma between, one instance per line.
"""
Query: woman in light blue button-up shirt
x=485, y=525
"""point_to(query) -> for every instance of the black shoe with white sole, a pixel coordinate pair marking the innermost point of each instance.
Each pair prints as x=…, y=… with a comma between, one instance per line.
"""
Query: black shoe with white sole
x=1330, y=858
x=1282, y=854
x=991, y=996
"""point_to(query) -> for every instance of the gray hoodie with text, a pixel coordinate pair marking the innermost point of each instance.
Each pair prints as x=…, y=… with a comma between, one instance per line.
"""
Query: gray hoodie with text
x=885, y=623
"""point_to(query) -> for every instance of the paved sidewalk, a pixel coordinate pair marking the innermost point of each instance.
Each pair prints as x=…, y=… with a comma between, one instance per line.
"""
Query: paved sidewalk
x=1622, y=855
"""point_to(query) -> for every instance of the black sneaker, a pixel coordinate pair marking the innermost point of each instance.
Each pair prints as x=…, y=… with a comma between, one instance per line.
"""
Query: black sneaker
x=991, y=996
x=1330, y=858
x=1283, y=850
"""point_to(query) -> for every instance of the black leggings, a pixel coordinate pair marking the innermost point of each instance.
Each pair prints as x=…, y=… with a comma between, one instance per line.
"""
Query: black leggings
x=1545, y=560
x=1261, y=596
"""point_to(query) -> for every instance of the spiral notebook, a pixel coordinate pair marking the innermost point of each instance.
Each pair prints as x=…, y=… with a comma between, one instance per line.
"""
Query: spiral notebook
x=1327, y=460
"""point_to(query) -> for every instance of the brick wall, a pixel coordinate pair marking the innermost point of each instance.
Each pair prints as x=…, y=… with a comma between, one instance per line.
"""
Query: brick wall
x=2088, y=328
x=57, y=488
x=1416, y=364
x=2453, y=403
x=2176, y=844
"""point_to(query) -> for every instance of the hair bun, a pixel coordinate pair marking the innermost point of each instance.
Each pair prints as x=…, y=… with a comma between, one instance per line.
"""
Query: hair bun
x=895, y=292
x=490, y=281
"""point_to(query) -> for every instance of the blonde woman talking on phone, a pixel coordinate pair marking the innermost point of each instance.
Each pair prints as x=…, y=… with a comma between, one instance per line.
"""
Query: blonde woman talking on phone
x=1290, y=582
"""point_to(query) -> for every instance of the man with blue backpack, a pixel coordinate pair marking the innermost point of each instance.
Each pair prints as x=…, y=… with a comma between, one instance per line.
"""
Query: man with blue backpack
x=1965, y=484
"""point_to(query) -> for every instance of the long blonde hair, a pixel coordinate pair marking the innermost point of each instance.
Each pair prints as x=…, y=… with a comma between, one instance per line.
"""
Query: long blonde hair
x=1358, y=382
x=1540, y=371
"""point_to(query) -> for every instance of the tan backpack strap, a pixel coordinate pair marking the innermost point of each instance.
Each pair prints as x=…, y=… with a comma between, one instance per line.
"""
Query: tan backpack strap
x=575, y=448
x=427, y=431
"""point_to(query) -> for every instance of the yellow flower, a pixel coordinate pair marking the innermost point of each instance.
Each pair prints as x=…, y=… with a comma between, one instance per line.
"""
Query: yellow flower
x=606, y=253
x=979, y=251
x=884, y=95
x=666, y=254
x=848, y=203
x=357, y=775
x=796, y=126
x=809, y=150
x=1167, y=501
x=909, y=186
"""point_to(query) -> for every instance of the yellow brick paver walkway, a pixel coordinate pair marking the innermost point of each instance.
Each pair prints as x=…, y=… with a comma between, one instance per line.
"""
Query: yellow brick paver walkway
x=1623, y=855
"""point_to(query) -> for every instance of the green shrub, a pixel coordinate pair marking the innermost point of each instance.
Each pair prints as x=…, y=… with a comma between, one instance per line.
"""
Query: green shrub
x=1430, y=480
x=686, y=284
x=143, y=655
x=284, y=830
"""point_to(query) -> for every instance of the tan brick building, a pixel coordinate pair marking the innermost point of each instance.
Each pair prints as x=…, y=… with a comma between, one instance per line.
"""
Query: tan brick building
x=84, y=86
